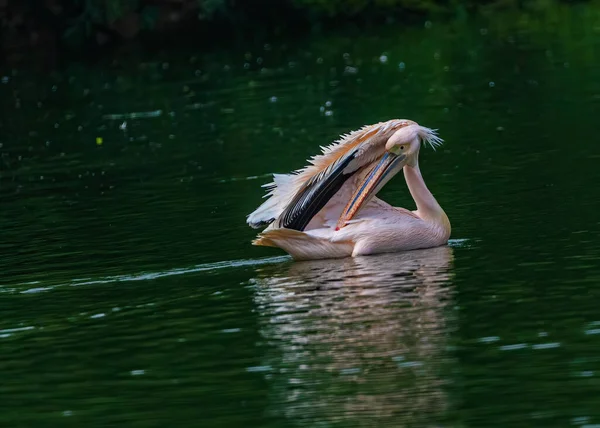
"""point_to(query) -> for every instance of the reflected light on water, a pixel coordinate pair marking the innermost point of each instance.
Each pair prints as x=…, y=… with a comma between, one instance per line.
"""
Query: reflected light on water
x=359, y=338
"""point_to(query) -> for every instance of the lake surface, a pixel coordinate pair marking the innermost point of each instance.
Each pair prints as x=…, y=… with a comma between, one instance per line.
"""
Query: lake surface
x=130, y=294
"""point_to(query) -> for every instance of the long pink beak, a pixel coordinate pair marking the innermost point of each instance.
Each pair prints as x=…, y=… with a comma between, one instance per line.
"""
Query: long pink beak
x=389, y=165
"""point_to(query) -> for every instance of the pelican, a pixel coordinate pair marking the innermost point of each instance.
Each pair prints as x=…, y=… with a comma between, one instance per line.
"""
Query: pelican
x=329, y=208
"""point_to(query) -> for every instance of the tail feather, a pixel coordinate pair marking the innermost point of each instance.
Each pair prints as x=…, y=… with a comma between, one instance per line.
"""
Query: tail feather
x=302, y=246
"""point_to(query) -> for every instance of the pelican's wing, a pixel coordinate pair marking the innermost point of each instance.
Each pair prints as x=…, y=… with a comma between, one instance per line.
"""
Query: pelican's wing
x=294, y=199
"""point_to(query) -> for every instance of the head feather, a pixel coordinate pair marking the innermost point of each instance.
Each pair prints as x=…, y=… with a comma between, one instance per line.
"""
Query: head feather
x=430, y=137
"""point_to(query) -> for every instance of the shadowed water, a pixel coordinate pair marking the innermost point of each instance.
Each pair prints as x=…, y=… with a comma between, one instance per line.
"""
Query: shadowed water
x=130, y=294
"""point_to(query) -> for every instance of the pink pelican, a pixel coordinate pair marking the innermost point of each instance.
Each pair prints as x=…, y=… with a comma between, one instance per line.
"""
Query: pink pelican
x=328, y=209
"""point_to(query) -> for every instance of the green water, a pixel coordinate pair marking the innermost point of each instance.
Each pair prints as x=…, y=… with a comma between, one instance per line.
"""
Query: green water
x=130, y=294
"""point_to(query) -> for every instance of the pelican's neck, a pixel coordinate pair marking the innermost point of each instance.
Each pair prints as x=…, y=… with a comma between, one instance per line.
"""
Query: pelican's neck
x=427, y=207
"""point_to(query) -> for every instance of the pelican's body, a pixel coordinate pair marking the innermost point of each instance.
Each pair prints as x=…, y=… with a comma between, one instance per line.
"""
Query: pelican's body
x=329, y=208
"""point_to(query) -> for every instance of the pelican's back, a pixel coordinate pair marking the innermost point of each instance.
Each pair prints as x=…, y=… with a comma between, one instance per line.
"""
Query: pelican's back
x=342, y=159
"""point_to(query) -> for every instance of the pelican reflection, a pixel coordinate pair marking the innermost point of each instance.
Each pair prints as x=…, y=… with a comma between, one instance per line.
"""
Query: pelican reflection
x=357, y=338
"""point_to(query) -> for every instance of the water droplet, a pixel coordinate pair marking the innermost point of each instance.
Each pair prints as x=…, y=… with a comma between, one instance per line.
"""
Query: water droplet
x=96, y=316
x=319, y=60
x=246, y=66
x=409, y=364
x=491, y=84
x=67, y=413
x=513, y=347
x=354, y=370
x=383, y=59
x=165, y=66
x=483, y=31
x=137, y=372
x=54, y=88
x=401, y=66
x=267, y=47
x=327, y=103
x=123, y=126
x=428, y=24
x=546, y=345
x=259, y=369
x=5, y=79
x=273, y=99
x=489, y=339
x=329, y=113
x=580, y=420
x=259, y=60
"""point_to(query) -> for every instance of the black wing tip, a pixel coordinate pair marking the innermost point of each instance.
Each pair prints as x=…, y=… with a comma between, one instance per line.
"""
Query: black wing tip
x=260, y=224
x=317, y=195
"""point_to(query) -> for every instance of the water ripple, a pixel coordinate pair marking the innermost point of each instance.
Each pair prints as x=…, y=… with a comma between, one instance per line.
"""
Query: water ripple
x=148, y=276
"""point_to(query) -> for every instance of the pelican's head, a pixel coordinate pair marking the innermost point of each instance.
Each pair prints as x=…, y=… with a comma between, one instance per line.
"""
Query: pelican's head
x=407, y=141
x=401, y=149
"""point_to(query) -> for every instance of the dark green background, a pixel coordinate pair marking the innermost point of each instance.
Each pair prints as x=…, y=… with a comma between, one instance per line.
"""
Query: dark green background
x=130, y=293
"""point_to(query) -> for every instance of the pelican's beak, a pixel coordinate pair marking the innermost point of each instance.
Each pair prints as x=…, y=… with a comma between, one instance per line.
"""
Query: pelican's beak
x=389, y=165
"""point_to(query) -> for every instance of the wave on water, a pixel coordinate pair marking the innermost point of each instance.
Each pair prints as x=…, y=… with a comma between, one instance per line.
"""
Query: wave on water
x=146, y=276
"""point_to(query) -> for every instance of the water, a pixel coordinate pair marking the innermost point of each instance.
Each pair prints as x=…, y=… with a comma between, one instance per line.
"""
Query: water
x=130, y=294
